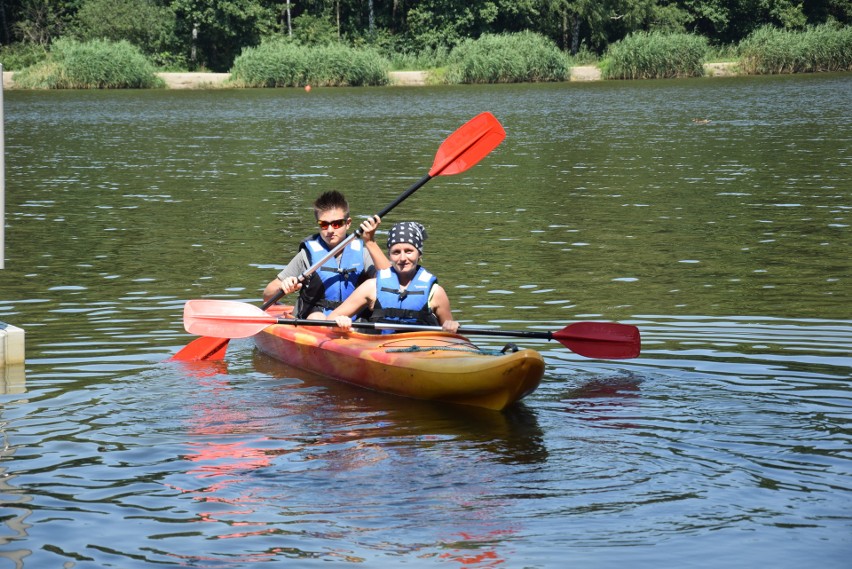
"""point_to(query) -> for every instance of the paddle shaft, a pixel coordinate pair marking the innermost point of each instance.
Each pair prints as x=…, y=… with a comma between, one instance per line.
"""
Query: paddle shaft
x=400, y=327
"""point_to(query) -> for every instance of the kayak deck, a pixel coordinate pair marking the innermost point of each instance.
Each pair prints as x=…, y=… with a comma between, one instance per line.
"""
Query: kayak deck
x=435, y=366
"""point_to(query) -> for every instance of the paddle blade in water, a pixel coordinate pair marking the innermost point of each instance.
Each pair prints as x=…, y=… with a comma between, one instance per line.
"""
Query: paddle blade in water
x=468, y=145
x=602, y=340
x=202, y=349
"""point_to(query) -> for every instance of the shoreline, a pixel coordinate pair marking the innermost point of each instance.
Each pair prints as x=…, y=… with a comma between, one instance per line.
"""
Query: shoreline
x=397, y=78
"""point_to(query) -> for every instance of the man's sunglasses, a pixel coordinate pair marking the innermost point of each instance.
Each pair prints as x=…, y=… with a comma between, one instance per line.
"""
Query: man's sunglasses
x=336, y=224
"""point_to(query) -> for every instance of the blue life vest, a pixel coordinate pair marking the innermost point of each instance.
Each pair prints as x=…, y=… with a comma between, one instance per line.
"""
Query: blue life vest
x=331, y=284
x=410, y=306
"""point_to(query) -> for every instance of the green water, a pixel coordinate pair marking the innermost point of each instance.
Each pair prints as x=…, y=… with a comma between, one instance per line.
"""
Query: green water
x=726, y=443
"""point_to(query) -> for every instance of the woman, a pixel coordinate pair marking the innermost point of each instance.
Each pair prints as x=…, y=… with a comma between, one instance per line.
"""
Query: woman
x=405, y=292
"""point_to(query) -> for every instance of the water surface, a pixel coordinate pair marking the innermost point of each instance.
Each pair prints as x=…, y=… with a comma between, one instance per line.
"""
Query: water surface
x=714, y=214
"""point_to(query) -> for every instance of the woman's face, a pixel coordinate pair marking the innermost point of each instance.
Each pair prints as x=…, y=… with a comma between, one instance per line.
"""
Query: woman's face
x=404, y=257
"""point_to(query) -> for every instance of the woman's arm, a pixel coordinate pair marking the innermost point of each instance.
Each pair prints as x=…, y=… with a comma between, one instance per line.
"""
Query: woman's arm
x=439, y=302
x=362, y=297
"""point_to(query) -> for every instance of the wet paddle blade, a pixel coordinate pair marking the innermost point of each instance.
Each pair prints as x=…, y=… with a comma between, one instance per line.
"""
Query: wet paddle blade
x=601, y=340
x=469, y=144
x=202, y=349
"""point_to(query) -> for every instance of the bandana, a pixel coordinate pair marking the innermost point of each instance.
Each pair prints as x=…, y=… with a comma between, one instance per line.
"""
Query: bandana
x=407, y=232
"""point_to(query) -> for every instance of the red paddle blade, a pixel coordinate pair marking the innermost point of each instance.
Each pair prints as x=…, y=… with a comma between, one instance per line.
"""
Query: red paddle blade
x=224, y=318
x=202, y=349
x=469, y=144
x=602, y=340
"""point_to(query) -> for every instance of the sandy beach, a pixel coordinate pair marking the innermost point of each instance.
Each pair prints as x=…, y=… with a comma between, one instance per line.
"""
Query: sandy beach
x=400, y=78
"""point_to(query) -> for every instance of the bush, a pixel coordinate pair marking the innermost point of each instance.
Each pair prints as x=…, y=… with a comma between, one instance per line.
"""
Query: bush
x=507, y=58
x=279, y=63
x=655, y=55
x=97, y=64
x=821, y=48
x=20, y=55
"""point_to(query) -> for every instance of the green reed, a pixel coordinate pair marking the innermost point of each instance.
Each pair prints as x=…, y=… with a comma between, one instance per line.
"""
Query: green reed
x=655, y=55
x=507, y=58
x=95, y=64
x=770, y=50
x=430, y=58
x=286, y=64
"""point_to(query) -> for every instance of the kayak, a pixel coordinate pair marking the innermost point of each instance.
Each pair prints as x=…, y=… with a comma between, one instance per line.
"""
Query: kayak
x=433, y=366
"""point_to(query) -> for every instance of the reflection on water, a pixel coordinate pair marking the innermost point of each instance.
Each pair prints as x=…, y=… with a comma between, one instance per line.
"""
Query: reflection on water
x=724, y=444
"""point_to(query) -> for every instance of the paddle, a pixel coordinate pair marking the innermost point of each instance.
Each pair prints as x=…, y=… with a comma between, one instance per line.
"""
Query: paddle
x=600, y=340
x=469, y=144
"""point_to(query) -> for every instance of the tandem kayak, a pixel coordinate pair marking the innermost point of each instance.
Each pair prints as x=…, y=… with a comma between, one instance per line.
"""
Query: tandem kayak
x=434, y=366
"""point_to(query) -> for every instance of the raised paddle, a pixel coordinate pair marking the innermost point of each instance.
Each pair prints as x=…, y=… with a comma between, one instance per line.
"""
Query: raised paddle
x=469, y=144
x=229, y=318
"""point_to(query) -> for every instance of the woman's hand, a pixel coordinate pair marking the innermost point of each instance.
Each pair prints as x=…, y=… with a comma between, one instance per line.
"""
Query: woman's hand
x=450, y=326
x=368, y=228
x=343, y=322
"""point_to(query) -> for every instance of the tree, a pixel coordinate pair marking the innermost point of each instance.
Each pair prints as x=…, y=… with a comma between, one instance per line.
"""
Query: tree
x=223, y=27
x=140, y=22
x=41, y=21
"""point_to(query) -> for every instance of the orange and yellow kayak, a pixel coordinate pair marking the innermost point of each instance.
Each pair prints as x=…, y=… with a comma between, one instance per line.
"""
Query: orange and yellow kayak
x=435, y=366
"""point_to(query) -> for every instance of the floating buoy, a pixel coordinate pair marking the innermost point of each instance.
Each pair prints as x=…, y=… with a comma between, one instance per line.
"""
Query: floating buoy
x=307, y=88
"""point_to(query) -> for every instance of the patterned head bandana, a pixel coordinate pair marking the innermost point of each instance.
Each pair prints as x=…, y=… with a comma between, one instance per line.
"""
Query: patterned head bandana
x=407, y=232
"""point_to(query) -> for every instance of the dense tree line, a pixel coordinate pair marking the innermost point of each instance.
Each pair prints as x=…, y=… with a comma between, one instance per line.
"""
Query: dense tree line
x=212, y=33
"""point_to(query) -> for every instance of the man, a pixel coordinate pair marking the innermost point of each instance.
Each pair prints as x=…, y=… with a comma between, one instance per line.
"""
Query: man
x=338, y=277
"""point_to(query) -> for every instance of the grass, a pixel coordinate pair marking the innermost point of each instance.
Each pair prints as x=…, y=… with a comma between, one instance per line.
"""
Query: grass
x=507, y=58
x=655, y=55
x=770, y=50
x=286, y=64
x=96, y=64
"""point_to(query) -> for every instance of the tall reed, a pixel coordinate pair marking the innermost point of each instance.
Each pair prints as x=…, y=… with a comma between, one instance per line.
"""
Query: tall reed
x=507, y=58
x=655, y=55
x=95, y=64
x=285, y=64
x=770, y=50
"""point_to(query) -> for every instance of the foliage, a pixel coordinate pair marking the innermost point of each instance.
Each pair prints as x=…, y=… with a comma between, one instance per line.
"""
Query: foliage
x=424, y=59
x=20, y=55
x=313, y=30
x=222, y=28
x=97, y=64
x=818, y=48
x=210, y=34
x=507, y=58
x=655, y=55
x=434, y=23
x=142, y=23
x=40, y=21
x=287, y=64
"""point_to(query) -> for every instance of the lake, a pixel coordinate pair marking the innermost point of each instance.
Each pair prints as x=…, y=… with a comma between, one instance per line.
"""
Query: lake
x=714, y=214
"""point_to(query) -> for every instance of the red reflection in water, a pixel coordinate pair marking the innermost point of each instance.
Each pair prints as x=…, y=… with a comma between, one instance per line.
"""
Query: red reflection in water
x=477, y=551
